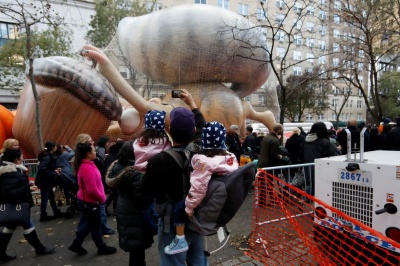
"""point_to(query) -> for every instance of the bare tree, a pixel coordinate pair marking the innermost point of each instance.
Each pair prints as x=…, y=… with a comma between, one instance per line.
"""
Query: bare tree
x=306, y=93
x=294, y=25
x=25, y=15
x=367, y=44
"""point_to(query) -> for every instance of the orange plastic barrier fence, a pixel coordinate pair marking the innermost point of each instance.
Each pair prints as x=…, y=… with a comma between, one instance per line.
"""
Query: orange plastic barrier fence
x=288, y=230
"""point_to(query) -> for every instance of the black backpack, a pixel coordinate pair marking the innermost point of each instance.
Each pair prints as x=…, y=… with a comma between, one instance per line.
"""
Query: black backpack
x=225, y=195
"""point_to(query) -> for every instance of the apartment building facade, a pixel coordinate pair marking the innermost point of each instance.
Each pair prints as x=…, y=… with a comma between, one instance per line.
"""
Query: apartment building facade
x=301, y=32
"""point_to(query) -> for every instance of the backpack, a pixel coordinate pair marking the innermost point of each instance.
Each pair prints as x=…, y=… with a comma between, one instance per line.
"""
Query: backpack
x=225, y=195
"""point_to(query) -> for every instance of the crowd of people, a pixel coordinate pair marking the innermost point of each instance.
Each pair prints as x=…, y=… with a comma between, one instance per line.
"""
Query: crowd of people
x=136, y=174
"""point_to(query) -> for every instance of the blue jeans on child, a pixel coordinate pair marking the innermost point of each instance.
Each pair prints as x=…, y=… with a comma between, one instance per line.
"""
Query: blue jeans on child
x=179, y=215
x=194, y=256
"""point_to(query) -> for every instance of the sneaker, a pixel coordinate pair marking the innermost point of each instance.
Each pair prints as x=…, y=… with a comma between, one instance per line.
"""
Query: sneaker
x=109, y=232
x=46, y=218
x=78, y=250
x=176, y=246
x=106, y=250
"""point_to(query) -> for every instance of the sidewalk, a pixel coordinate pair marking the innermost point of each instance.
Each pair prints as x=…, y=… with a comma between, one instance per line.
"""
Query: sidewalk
x=61, y=232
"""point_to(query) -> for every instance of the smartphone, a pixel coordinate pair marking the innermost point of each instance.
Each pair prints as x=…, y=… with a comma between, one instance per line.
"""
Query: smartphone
x=176, y=93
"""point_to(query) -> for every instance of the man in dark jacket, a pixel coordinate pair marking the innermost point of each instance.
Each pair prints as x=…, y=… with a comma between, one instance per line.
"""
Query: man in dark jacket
x=393, y=138
x=316, y=145
x=163, y=181
x=250, y=142
x=269, y=156
x=293, y=145
x=355, y=137
x=269, y=153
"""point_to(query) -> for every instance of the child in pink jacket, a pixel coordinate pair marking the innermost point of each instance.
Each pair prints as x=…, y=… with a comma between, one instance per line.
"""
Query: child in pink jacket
x=213, y=159
x=152, y=140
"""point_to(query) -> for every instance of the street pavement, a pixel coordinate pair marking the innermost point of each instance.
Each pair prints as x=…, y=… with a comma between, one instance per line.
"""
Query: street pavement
x=61, y=232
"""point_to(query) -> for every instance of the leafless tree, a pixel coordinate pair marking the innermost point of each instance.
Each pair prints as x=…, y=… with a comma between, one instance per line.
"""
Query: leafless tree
x=25, y=15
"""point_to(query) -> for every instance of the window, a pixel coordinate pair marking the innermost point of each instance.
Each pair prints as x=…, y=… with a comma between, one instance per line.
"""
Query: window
x=359, y=104
x=322, y=60
x=297, y=7
x=280, y=36
x=335, y=102
x=152, y=6
x=298, y=23
x=361, y=79
x=335, y=75
x=223, y=3
x=310, y=10
x=321, y=45
x=361, y=53
x=200, y=2
x=309, y=117
x=261, y=100
x=336, y=19
x=322, y=30
x=333, y=116
x=321, y=117
x=360, y=66
x=310, y=26
x=296, y=55
x=335, y=61
x=322, y=15
x=310, y=42
x=297, y=71
x=243, y=9
x=351, y=102
x=335, y=90
x=359, y=116
x=280, y=19
x=338, y=4
x=280, y=52
x=309, y=70
x=310, y=57
x=336, y=34
x=359, y=92
x=124, y=71
x=260, y=14
x=7, y=32
x=336, y=47
x=322, y=2
x=297, y=39
x=280, y=4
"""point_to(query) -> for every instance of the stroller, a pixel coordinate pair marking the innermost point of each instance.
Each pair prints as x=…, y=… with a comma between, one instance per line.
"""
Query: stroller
x=70, y=185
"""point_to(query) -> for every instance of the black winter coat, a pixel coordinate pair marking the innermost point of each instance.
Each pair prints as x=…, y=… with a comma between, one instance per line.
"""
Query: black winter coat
x=46, y=177
x=293, y=147
x=131, y=227
x=14, y=184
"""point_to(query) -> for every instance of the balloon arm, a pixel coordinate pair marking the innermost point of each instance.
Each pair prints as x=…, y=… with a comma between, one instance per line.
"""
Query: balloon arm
x=108, y=70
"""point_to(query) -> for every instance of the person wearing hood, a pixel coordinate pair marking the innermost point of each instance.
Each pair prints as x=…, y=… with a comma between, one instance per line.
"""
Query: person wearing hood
x=15, y=188
x=393, y=138
x=122, y=176
x=316, y=145
x=355, y=137
x=293, y=145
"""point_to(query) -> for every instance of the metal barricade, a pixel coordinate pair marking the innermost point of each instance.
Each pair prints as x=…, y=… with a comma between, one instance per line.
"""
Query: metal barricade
x=298, y=175
x=32, y=165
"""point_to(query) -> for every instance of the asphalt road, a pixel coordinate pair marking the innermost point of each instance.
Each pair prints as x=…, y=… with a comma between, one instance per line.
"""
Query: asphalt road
x=60, y=233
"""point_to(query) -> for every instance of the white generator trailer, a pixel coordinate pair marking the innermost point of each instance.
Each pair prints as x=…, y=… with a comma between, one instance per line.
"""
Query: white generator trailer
x=366, y=187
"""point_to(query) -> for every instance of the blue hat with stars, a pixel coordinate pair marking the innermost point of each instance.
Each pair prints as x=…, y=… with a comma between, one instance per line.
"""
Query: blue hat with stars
x=155, y=119
x=213, y=136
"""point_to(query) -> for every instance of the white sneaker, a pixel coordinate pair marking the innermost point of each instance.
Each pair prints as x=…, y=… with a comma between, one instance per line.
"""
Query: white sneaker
x=176, y=246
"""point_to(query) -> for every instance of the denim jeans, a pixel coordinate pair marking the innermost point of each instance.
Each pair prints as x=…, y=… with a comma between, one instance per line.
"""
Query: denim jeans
x=194, y=256
x=46, y=195
x=90, y=222
x=105, y=229
x=179, y=215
